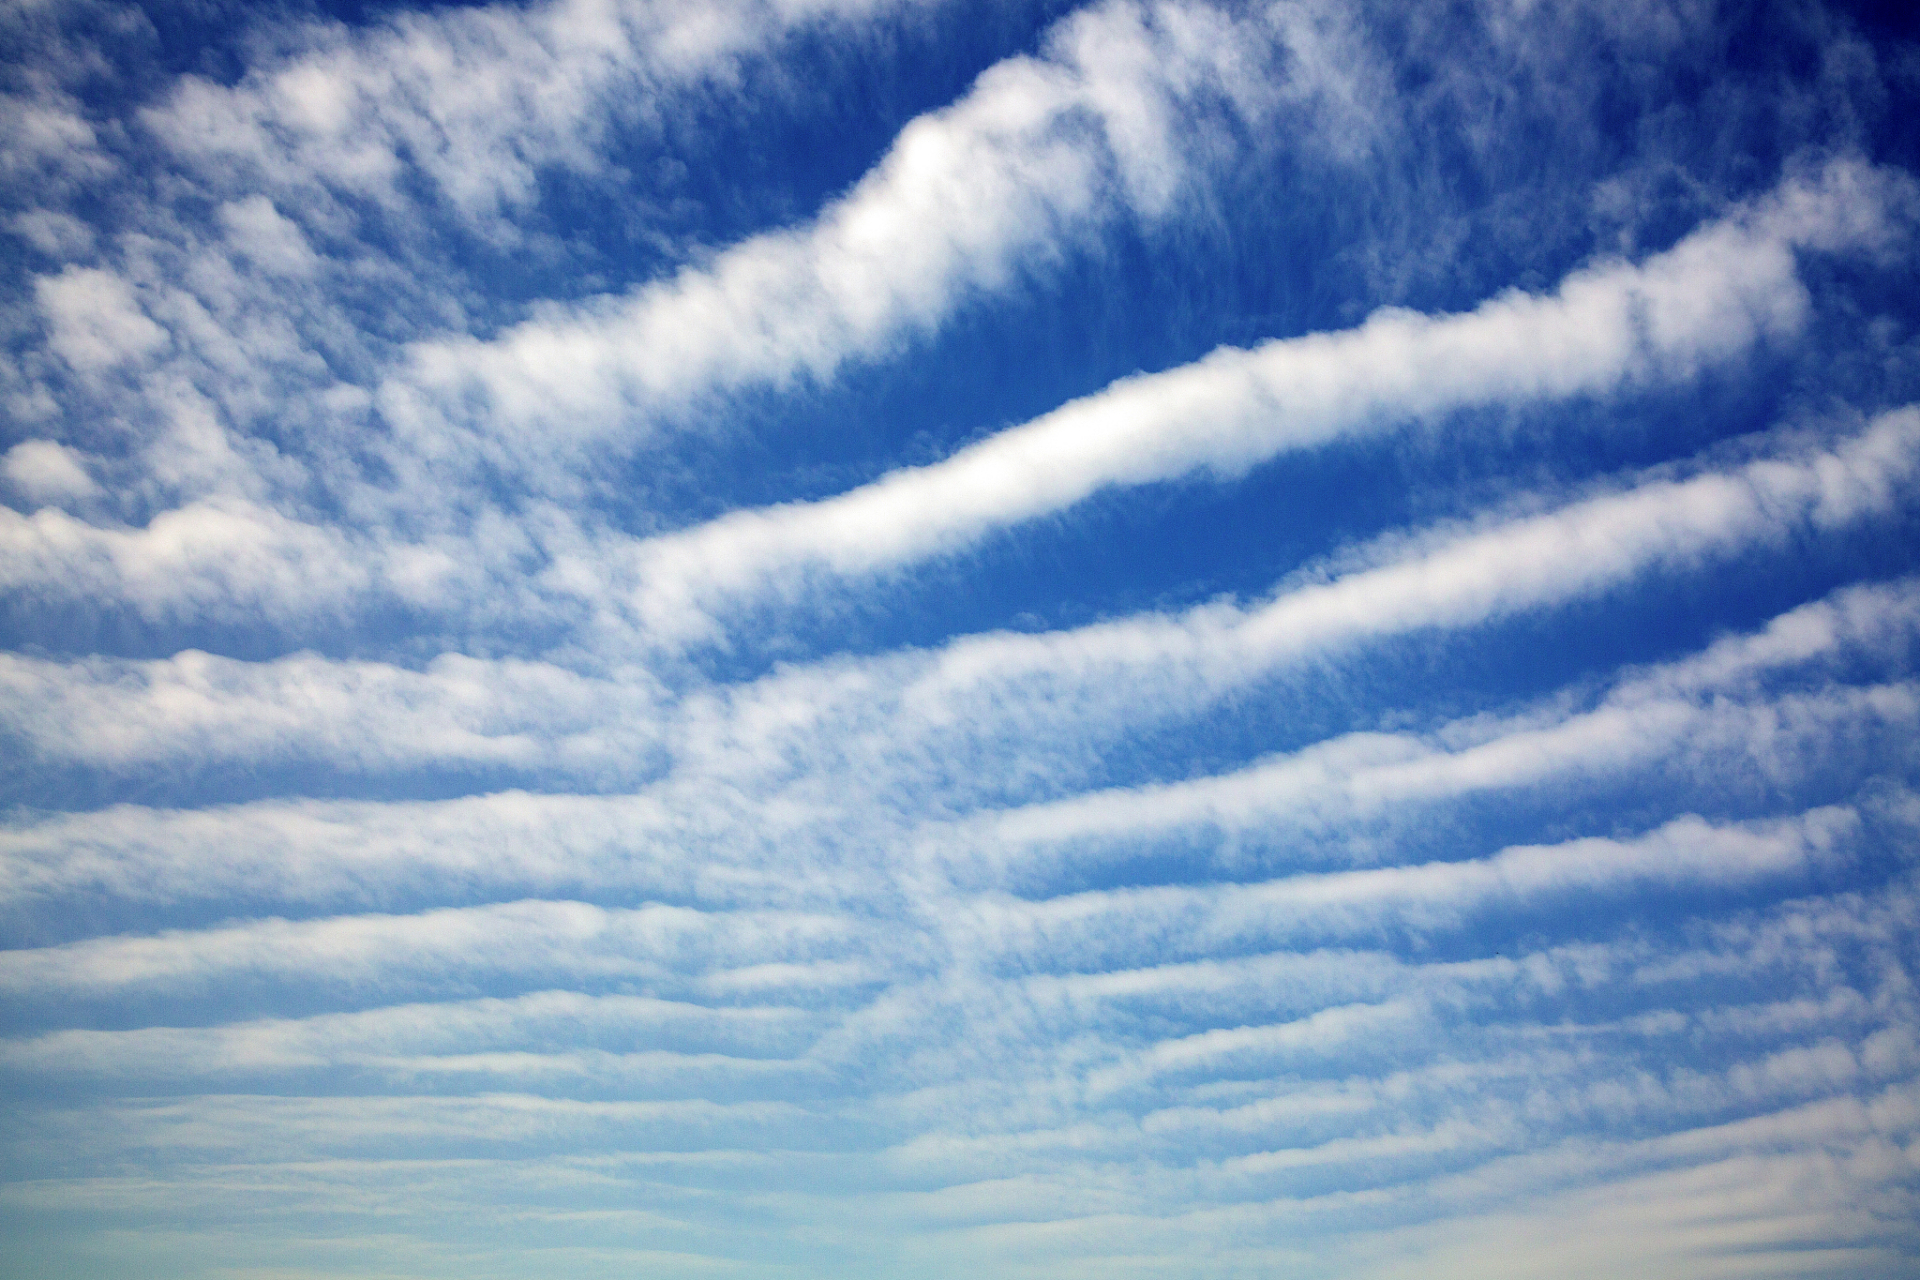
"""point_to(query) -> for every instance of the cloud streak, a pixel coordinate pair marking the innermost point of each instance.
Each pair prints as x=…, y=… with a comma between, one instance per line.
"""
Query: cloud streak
x=1040, y=153
x=475, y=807
x=1716, y=294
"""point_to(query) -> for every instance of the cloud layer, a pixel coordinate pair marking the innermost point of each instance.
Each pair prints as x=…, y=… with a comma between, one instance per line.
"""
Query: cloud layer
x=858, y=639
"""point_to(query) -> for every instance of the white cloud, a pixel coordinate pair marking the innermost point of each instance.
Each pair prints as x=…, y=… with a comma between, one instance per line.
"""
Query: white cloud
x=673, y=947
x=44, y=135
x=1452, y=580
x=477, y=101
x=1716, y=294
x=708, y=834
x=968, y=196
x=1095, y=928
x=219, y=559
x=96, y=321
x=56, y=234
x=848, y=962
x=411, y=1038
x=1691, y=718
x=400, y=1124
x=1721, y=290
x=274, y=243
x=986, y=688
x=46, y=471
x=458, y=712
x=333, y=851
x=1706, y=1218
x=1875, y=618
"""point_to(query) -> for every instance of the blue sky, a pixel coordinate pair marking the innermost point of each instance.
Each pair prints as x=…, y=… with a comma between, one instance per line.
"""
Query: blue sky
x=874, y=638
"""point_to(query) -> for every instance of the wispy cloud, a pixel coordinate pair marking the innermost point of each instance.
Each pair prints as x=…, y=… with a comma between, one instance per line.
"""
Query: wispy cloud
x=570, y=937
x=600, y=676
x=1713, y=296
x=1039, y=154
x=475, y=101
x=710, y=838
x=1448, y=580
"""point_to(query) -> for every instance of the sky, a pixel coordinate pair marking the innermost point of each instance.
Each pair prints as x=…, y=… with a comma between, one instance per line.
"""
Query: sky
x=949, y=638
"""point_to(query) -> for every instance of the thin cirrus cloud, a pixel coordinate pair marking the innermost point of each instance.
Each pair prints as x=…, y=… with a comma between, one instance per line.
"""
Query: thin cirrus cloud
x=439, y=843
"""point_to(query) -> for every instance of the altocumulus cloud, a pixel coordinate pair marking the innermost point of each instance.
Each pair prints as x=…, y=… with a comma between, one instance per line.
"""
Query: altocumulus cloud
x=913, y=637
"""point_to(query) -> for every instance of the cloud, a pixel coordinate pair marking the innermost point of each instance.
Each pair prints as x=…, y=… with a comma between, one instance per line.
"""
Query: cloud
x=275, y=305
x=96, y=321
x=48, y=139
x=1449, y=580
x=1720, y=291
x=709, y=835
x=438, y=843
x=476, y=101
x=261, y=235
x=1040, y=154
x=1706, y=710
x=58, y=235
x=450, y=1036
x=1079, y=931
x=458, y=710
x=970, y=695
x=573, y=938
x=1715, y=295
x=43, y=470
x=219, y=559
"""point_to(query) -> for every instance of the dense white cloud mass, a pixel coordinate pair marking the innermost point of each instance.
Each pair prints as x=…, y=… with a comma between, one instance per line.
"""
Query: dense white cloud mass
x=856, y=638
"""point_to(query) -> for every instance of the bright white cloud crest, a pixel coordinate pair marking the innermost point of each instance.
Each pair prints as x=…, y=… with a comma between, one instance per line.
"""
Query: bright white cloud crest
x=1242, y=641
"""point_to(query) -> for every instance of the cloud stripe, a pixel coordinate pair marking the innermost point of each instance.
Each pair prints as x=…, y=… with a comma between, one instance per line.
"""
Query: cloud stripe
x=519, y=937
x=1085, y=929
x=1040, y=153
x=668, y=843
x=1578, y=551
x=552, y=509
x=1716, y=294
x=412, y=1038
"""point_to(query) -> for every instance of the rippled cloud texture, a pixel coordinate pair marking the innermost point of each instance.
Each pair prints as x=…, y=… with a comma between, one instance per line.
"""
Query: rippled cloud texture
x=876, y=638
